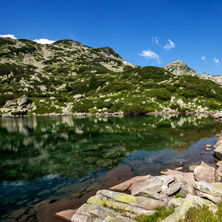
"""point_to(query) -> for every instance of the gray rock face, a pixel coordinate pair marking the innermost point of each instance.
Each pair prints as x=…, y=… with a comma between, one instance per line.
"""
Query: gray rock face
x=24, y=101
x=10, y=104
x=180, y=68
x=19, y=107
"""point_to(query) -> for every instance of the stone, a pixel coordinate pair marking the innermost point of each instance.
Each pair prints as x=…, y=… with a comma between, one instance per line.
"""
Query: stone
x=136, y=201
x=24, y=100
x=91, y=212
x=18, y=213
x=153, y=195
x=208, y=196
x=187, y=189
x=189, y=201
x=187, y=177
x=219, y=163
x=103, y=201
x=214, y=189
x=208, y=149
x=179, y=168
x=192, y=167
x=171, y=190
x=126, y=186
x=218, y=152
x=66, y=214
x=155, y=184
x=206, y=173
x=208, y=145
x=10, y=104
x=78, y=96
x=219, y=168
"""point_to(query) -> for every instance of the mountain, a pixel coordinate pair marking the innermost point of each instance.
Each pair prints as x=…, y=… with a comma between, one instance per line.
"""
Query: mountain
x=69, y=77
x=181, y=68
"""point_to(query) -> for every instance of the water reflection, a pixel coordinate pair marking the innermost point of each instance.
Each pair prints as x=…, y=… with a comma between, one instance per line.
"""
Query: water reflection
x=69, y=146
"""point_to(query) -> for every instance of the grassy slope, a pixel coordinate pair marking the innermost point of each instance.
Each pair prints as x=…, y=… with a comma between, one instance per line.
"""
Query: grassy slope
x=67, y=68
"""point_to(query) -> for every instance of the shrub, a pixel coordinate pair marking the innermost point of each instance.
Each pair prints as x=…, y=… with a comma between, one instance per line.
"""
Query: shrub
x=134, y=110
x=160, y=214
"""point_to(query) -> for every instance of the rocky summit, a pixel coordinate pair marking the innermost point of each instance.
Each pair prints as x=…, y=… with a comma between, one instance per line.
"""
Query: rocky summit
x=67, y=77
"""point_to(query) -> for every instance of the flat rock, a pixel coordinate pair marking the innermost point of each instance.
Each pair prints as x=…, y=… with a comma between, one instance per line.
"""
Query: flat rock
x=192, y=167
x=136, y=201
x=189, y=201
x=119, y=206
x=96, y=213
x=155, y=184
x=153, y=195
x=127, y=184
x=66, y=214
x=171, y=190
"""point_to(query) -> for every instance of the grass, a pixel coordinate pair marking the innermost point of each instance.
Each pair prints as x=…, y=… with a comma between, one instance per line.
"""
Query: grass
x=160, y=214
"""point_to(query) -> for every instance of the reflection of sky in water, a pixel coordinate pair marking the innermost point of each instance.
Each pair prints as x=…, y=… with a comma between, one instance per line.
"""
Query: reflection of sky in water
x=67, y=153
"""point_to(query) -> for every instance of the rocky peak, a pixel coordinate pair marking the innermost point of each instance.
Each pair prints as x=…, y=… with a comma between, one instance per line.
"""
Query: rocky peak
x=180, y=68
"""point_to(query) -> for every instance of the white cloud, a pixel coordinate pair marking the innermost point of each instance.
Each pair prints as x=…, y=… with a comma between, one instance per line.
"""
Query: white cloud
x=169, y=45
x=216, y=60
x=155, y=40
x=203, y=58
x=148, y=54
x=44, y=41
x=8, y=36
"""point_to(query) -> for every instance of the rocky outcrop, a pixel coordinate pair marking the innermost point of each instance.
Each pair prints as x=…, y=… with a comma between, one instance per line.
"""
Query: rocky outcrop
x=180, y=68
x=148, y=192
x=17, y=108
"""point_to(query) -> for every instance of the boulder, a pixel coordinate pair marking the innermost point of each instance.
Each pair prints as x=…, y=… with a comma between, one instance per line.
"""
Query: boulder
x=24, y=101
x=135, y=201
x=118, y=206
x=189, y=201
x=78, y=96
x=10, y=104
x=206, y=173
x=214, y=189
x=219, y=163
x=126, y=186
x=66, y=214
x=96, y=213
x=187, y=189
x=218, y=152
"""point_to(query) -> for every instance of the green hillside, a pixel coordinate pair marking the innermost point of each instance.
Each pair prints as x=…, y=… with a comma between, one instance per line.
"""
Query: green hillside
x=68, y=77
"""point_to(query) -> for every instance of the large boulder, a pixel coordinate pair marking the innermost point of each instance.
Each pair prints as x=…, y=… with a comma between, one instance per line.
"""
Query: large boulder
x=206, y=173
x=24, y=101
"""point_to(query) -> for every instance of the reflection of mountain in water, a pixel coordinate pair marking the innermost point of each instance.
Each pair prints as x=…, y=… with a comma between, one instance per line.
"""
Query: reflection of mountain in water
x=71, y=146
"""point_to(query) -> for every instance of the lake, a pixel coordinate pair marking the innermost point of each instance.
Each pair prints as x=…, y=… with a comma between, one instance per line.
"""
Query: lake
x=69, y=158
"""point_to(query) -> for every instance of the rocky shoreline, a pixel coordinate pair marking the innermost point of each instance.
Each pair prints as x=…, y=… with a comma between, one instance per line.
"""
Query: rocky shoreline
x=142, y=194
x=105, y=114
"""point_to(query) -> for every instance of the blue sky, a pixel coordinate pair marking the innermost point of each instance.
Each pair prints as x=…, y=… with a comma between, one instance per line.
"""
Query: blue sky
x=143, y=32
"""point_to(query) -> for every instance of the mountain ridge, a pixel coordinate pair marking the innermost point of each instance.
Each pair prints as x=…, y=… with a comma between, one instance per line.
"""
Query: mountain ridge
x=68, y=77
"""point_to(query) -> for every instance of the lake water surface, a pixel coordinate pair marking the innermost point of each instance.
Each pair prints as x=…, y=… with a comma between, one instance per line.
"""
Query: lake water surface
x=56, y=157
